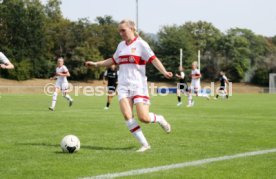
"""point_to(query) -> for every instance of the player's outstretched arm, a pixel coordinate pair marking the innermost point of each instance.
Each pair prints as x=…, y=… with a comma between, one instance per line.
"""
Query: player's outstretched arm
x=105, y=63
x=159, y=66
x=8, y=65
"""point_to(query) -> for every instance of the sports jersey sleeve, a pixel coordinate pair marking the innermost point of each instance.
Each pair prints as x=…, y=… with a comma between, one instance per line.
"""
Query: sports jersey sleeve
x=182, y=75
x=64, y=69
x=3, y=59
x=224, y=77
x=197, y=72
x=116, y=55
x=147, y=54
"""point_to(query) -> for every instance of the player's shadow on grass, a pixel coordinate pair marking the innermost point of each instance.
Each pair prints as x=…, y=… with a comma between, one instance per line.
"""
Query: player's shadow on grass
x=83, y=147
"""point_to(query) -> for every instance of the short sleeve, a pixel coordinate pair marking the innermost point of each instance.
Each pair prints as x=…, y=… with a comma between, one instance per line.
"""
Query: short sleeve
x=147, y=54
x=64, y=69
x=182, y=75
x=116, y=55
x=3, y=59
x=197, y=72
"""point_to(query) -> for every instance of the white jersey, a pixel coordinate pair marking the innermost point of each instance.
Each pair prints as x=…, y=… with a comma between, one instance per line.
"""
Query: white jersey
x=195, y=82
x=182, y=75
x=132, y=59
x=3, y=59
x=61, y=79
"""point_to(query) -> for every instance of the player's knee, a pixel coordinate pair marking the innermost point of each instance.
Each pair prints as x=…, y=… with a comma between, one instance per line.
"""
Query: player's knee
x=144, y=118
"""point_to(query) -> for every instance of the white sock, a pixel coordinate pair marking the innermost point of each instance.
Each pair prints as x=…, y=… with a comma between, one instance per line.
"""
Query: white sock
x=190, y=98
x=155, y=118
x=136, y=131
x=68, y=97
x=54, y=100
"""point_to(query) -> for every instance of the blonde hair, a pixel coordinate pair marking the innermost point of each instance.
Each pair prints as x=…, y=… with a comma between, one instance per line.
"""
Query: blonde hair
x=194, y=63
x=131, y=24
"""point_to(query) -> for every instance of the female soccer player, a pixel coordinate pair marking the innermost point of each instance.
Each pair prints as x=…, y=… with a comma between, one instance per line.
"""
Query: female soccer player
x=222, y=89
x=112, y=76
x=61, y=84
x=131, y=55
x=182, y=86
x=5, y=62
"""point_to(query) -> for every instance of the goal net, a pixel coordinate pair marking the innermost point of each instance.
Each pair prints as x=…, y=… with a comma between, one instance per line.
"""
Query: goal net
x=272, y=83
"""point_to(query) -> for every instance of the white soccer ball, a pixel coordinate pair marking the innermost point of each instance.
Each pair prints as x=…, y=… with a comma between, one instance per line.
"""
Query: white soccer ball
x=70, y=143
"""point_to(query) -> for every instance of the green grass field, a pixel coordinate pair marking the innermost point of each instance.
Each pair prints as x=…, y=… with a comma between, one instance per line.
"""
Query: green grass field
x=30, y=137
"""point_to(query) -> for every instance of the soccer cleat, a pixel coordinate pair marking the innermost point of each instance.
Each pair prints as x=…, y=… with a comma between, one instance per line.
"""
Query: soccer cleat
x=179, y=103
x=51, y=109
x=143, y=149
x=165, y=125
x=70, y=103
x=106, y=108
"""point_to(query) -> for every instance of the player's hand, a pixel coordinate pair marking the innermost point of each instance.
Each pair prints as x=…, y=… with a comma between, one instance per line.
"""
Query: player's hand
x=104, y=82
x=168, y=75
x=3, y=66
x=58, y=74
x=90, y=64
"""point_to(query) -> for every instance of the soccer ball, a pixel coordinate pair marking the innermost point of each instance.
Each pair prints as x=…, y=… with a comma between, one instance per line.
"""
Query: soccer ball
x=70, y=143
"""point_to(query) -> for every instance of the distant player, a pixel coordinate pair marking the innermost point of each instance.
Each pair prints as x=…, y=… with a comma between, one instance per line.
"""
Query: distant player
x=61, y=84
x=5, y=62
x=195, y=75
x=182, y=86
x=195, y=84
x=112, y=76
x=223, y=84
x=132, y=55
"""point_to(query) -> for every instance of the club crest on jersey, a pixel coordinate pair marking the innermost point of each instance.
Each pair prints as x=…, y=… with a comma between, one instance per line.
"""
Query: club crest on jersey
x=133, y=50
x=131, y=59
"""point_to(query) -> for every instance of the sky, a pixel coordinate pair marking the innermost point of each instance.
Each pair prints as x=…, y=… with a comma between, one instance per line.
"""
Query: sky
x=256, y=15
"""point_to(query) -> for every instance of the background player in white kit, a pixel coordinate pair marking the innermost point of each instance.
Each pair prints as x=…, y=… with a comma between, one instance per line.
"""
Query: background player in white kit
x=5, y=62
x=131, y=55
x=61, y=84
x=195, y=84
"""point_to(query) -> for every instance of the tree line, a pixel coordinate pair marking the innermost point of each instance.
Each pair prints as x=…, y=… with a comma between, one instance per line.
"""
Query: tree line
x=33, y=35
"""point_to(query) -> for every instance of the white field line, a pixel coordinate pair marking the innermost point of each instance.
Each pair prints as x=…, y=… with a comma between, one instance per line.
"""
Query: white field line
x=180, y=165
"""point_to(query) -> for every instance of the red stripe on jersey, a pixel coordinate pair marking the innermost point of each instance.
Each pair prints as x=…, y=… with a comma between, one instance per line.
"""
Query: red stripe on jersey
x=113, y=60
x=138, y=96
x=135, y=129
x=152, y=58
x=197, y=74
x=131, y=59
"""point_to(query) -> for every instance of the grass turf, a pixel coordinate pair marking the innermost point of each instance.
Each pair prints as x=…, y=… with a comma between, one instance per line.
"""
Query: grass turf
x=30, y=137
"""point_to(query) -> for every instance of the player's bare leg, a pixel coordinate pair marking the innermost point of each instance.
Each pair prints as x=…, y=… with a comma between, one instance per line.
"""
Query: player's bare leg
x=145, y=116
x=126, y=106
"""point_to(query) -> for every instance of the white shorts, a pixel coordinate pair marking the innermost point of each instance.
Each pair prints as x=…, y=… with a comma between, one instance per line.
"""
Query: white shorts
x=138, y=95
x=62, y=86
x=194, y=89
